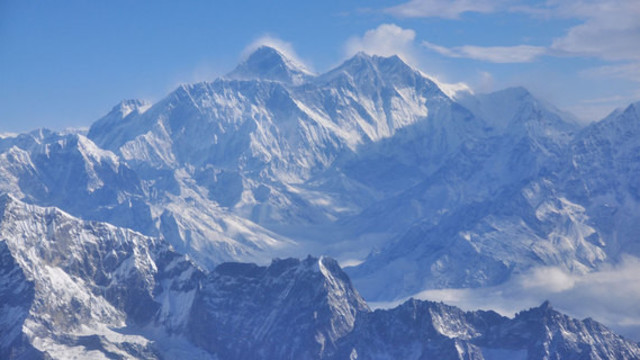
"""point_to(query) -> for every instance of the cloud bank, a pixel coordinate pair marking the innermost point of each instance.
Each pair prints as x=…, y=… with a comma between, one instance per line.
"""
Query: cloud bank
x=610, y=296
x=385, y=40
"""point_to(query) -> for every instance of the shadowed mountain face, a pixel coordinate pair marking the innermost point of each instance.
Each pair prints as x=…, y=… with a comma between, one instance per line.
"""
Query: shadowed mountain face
x=74, y=288
x=370, y=162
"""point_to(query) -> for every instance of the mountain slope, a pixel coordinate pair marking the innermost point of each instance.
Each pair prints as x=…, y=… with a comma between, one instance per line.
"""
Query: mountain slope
x=419, y=330
x=602, y=170
x=310, y=303
x=80, y=289
x=270, y=151
x=83, y=284
x=71, y=172
x=270, y=64
x=493, y=208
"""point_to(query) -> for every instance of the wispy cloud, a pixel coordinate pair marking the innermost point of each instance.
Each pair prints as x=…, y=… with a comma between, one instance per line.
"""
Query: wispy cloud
x=284, y=47
x=627, y=71
x=448, y=9
x=385, y=40
x=495, y=54
x=609, y=30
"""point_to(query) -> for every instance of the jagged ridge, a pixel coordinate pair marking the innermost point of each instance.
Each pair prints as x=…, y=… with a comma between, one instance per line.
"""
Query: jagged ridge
x=89, y=290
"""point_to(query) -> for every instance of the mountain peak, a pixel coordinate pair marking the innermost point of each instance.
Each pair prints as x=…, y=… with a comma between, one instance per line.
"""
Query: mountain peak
x=127, y=106
x=362, y=57
x=124, y=109
x=546, y=305
x=520, y=91
x=5, y=200
x=518, y=109
x=635, y=107
x=117, y=120
x=375, y=71
x=268, y=63
x=545, y=309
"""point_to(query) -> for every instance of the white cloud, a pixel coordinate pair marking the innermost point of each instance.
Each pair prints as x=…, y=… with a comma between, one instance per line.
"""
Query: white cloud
x=626, y=71
x=547, y=279
x=449, y=9
x=286, y=48
x=610, y=296
x=391, y=39
x=385, y=40
x=598, y=40
x=485, y=82
x=610, y=29
x=495, y=54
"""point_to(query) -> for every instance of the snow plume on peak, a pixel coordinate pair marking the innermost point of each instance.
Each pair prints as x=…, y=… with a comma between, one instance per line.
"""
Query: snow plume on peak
x=269, y=64
x=271, y=59
x=281, y=46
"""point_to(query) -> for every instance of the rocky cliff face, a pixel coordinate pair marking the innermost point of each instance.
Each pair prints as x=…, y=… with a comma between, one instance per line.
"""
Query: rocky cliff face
x=290, y=310
x=418, y=330
x=73, y=288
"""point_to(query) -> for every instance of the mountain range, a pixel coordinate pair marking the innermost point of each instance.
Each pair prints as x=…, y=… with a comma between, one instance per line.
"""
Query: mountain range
x=125, y=237
x=74, y=288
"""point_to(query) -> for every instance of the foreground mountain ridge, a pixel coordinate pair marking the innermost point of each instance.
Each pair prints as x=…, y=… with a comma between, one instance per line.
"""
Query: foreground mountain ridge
x=82, y=289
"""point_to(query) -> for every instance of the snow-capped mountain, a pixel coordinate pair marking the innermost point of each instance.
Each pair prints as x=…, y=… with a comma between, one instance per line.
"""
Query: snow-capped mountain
x=419, y=330
x=277, y=153
x=73, y=287
x=602, y=172
x=268, y=63
x=370, y=163
x=85, y=289
x=71, y=172
x=572, y=205
x=290, y=310
x=272, y=160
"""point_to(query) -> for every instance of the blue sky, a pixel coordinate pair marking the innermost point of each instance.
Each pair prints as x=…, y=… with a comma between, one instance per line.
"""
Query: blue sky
x=65, y=64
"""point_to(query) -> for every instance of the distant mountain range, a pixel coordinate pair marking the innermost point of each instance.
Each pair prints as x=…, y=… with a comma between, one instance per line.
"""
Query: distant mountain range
x=121, y=241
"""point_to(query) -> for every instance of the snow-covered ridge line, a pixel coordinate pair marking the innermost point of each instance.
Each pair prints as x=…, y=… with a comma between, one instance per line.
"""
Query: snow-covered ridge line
x=132, y=296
